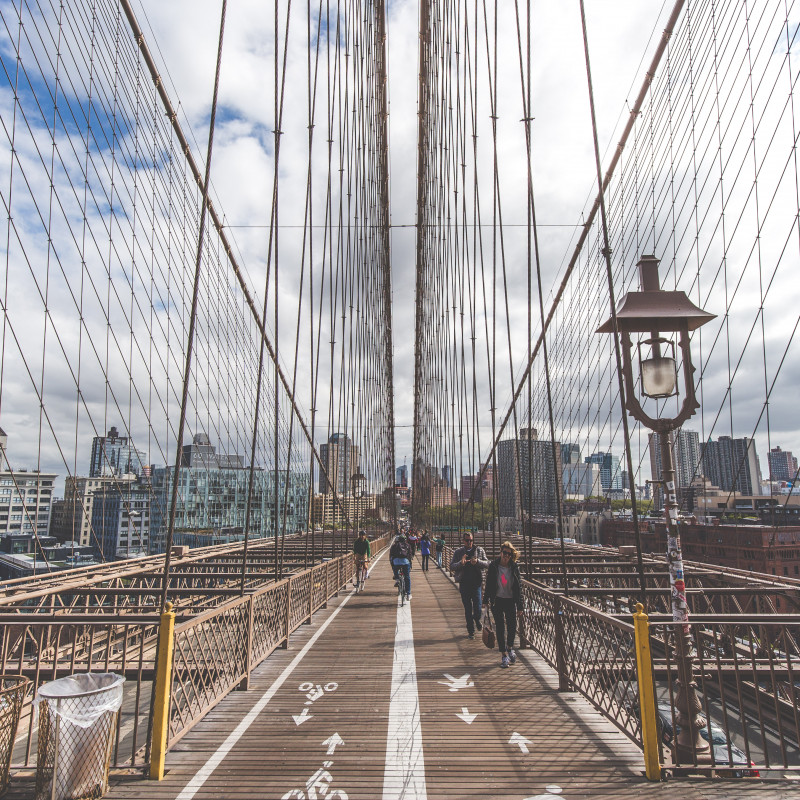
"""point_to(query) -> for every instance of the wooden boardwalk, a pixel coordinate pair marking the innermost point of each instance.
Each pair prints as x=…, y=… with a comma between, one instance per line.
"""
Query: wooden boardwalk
x=317, y=718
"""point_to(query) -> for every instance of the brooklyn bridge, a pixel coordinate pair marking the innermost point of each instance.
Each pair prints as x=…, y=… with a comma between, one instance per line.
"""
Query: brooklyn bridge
x=551, y=373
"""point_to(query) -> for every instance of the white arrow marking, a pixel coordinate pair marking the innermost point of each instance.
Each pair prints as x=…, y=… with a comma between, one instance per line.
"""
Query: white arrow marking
x=544, y=797
x=299, y=719
x=466, y=716
x=333, y=742
x=454, y=684
x=519, y=739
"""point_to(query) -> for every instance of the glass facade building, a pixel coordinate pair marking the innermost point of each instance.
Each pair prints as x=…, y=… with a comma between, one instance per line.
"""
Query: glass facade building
x=212, y=505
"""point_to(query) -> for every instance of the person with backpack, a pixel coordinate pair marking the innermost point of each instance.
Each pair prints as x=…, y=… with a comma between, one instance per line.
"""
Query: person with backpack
x=440, y=543
x=400, y=557
x=467, y=565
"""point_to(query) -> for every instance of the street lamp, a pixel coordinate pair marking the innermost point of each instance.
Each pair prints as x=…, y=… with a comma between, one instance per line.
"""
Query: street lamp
x=650, y=313
x=357, y=482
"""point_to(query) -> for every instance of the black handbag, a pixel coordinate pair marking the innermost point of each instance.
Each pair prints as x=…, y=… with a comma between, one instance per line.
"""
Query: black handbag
x=488, y=635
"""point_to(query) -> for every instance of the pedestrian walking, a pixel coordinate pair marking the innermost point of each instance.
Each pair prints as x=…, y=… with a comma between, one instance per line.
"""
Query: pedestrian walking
x=425, y=550
x=440, y=543
x=413, y=540
x=504, y=594
x=467, y=564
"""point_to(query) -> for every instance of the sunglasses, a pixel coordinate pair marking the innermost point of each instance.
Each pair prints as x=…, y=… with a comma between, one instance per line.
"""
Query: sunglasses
x=505, y=552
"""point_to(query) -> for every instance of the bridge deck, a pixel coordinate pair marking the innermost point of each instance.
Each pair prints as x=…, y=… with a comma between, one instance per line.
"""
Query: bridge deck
x=285, y=733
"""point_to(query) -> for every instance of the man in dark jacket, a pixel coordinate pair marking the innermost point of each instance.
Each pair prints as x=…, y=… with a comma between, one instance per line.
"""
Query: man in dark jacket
x=400, y=557
x=504, y=594
x=467, y=565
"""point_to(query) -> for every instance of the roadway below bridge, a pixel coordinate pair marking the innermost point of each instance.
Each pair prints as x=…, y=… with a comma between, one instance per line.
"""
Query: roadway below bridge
x=379, y=701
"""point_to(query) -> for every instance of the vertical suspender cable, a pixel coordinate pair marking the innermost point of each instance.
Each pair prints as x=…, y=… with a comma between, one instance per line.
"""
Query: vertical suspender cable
x=610, y=277
x=192, y=319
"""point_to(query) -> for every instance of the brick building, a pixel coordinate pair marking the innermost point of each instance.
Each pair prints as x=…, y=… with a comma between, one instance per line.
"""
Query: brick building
x=760, y=548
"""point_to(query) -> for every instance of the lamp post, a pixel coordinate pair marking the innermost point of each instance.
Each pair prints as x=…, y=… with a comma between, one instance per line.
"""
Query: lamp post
x=652, y=312
x=357, y=482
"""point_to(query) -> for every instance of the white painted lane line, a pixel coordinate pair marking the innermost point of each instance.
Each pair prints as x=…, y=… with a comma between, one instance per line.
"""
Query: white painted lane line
x=204, y=773
x=404, y=772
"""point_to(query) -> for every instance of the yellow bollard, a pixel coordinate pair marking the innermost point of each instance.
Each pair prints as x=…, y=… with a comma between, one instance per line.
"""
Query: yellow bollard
x=647, y=700
x=158, y=745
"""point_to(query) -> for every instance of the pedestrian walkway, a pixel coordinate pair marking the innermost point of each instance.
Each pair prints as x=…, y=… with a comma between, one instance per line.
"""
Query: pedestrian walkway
x=379, y=702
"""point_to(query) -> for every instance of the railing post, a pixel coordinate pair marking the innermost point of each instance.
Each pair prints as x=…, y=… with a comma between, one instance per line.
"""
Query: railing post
x=311, y=595
x=647, y=700
x=288, y=613
x=158, y=745
x=248, y=650
x=561, y=661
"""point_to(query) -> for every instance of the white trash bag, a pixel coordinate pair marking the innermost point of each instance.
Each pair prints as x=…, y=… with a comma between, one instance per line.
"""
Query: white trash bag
x=82, y=712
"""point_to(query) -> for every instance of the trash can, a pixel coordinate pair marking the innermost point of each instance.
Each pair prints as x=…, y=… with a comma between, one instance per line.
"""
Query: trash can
x=77, y=720
x=12, y=696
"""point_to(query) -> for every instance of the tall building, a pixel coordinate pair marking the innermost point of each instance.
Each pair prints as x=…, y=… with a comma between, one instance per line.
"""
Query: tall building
x=202, y=454
x=326, y=509
x=340, y=457
x=121, y=520
x=469, y=491
x=74, y=523
x=113, y=454
x=447, y=476
x=782, y=465
x=212, y=505
x=527, y=476
x=401, y=476
x=610, y=471
x=488, y=481
x=25, y=499
x=442, y=496
x=732, y=464
x=570, y=454
x=582, y=480
x=685, y=457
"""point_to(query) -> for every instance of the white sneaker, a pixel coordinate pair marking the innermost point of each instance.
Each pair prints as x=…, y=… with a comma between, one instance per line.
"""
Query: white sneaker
x=408, y=597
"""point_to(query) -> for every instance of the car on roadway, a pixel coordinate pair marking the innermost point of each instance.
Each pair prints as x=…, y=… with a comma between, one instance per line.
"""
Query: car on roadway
x=719, y=743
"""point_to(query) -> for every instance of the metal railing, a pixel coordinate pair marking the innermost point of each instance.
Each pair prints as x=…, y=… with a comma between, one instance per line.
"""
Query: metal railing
x=746, y=666
x=747, y=671
x=214, y=653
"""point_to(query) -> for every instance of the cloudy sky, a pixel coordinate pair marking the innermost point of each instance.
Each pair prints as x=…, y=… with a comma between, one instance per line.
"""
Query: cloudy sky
x=622, y=35
x=741, y=354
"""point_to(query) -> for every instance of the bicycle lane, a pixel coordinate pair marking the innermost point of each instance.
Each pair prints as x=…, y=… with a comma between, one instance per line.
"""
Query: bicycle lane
x=312, y=725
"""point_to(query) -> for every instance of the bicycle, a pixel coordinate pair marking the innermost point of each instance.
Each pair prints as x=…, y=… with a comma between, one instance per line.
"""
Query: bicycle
x=401, y=585
x=361, y=576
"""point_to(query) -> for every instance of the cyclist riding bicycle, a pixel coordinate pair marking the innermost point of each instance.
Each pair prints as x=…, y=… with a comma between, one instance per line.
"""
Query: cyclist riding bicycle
x=400, y=556
x=362, y=553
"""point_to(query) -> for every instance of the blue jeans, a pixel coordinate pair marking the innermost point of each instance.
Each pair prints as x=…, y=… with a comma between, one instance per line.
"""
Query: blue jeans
x=438, y=558
x=471, y=598
x=406, y=570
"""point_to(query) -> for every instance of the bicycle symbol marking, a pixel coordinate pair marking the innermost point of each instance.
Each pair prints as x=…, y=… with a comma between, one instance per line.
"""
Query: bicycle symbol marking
x=317, y=787
x=314, y=692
